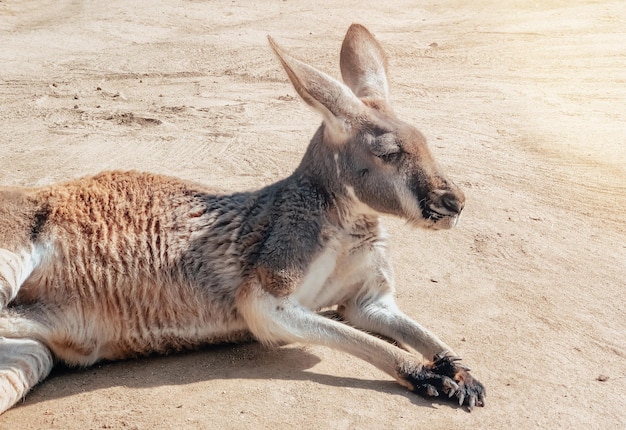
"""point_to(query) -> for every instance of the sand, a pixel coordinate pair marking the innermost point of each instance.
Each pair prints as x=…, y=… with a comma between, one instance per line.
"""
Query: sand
x=524, y=104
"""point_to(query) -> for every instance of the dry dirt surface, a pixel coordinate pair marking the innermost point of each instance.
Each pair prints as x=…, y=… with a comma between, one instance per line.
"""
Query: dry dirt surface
x=524, y=104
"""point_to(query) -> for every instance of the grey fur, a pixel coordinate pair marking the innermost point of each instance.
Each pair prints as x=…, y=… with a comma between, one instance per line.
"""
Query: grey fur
x=127, y=263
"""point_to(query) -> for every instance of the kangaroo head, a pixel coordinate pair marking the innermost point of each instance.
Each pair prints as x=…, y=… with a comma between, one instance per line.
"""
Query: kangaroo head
x=362, y=150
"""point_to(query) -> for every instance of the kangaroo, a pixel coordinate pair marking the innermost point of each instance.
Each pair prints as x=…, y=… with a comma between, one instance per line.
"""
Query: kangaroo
x=124, y=264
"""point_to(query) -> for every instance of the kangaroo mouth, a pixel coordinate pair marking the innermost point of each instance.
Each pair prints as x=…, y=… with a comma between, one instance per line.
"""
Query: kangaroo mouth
x=428, y=213
x=422, y=212
x=437, y=220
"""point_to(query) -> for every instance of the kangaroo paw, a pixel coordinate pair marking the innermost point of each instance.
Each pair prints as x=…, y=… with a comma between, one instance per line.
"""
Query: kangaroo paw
x=470, y=391
x=429, y=384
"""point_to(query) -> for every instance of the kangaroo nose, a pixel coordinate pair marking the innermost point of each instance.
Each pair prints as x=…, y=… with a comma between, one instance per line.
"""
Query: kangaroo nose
x=453, y=202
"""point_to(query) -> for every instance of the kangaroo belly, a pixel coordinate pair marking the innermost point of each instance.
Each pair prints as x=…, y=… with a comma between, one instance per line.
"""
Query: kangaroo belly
x=137, y=320
x=132, y=266
x=100, y=311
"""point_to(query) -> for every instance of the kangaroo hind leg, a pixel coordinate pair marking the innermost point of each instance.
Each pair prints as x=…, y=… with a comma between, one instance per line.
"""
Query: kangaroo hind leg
x=15, y=268
x=23, y=363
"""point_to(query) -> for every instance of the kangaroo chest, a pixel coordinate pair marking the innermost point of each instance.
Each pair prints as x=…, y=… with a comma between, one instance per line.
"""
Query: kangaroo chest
x=340, y=271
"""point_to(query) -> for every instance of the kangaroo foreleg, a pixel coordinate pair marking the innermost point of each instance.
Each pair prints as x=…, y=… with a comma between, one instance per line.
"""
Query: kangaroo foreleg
x=381, y=315
x=274, y=320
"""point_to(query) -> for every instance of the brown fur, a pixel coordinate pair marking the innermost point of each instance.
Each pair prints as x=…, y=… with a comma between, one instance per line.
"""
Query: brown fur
x=125, y=263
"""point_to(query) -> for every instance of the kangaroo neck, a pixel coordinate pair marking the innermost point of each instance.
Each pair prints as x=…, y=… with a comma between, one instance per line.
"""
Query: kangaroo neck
x=319, y=170
x=319, y=166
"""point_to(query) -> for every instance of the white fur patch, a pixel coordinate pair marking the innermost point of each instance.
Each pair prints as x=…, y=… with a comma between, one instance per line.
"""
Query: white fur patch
x=336, y=157
x=410, y=205
x=15, y=268
x=24, y=363
x=312, y=289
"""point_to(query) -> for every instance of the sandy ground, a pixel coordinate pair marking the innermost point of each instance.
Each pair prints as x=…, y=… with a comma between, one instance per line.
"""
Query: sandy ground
x=524, y=104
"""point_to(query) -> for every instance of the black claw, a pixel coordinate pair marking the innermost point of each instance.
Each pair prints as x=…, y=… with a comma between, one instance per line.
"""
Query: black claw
x=440, y=355
x=431, y=391
x=468, y=391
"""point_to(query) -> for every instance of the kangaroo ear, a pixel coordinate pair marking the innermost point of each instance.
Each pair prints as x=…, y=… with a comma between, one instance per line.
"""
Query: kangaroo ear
x=333, y=99
x=364, y=64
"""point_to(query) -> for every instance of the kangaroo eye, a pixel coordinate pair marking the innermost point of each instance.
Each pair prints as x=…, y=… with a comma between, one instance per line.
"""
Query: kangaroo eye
x=387, y=148
x=390, y=157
